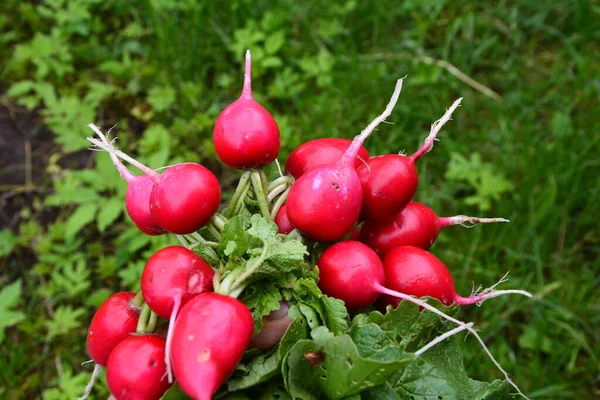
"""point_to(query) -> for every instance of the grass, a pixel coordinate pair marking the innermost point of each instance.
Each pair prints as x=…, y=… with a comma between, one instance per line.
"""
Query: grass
x=528, y=73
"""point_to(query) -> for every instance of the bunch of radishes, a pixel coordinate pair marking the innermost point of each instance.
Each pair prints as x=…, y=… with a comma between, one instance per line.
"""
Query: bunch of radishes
x=187, y=324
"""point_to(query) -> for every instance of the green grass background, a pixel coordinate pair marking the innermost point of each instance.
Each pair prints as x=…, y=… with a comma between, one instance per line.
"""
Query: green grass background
x=524, y=145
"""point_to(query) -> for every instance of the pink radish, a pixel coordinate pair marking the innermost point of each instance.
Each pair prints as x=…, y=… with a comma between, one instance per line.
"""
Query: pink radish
x=171, y=278
x=319, y=152
x=137, y=197
x=246, y=134
x=348, y=271
x=325, y=202
x=211, y=334
x=352, y=272
x=136, y=369
x=390, y=181
x=283, y=223
x=417, y=272
x=114, y=321
x=417, y=225
x=183, y=198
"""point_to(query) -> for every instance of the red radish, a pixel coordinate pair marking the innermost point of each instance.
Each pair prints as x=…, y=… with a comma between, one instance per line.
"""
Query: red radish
x=274, y=327
x=184, y=198
x=283, y=223
x=211, y=334
x=325, y=202
x=417, y=225
x=390, y=181
x=114, y=321
x=347, y=271
x=246, y=134
x=319, y=152
x=417, y=272
x=136, y=369
x=137, y=197
x=358, y=265
x=171, y=278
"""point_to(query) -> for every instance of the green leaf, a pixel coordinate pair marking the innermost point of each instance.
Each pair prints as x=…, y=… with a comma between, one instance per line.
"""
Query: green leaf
x=9, y=298
x=109, y=212
x=275, y=41
x=234, y=239
x=65, y=320
x=342, y=371
x=18, y=89
x=83, y=215
x=161, y=98
x=261, y=298
x=71, y=278
x=8, y=241
x=318, y=308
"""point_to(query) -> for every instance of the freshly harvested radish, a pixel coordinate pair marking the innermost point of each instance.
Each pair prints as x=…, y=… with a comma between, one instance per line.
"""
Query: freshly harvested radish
x=325, y=202
x=283, y=223
x=137, y=196
x=318, y=152
x=347, y=271
x=136, y=369
x=417, y=272
x=172, y=277
x=246, y=134
x=416, y=225
x=183, y=198
x=211, y=334
x=358, y=265
x=390, y=181
x=273, y=328
x=114, y=321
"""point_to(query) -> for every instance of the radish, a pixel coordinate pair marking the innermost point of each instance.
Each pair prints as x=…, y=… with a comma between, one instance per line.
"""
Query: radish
x=114, y=321
x=325, y=202
x=136, y=369
x=183, y=198
x=353, y=273
x=348, y=271
x=273, y=328
x=211, y=334
x=417, y=225
x=283, y=223
x=171, y=278
x=319, y=152
x=417, y=272
x=137, y=196
x=390, y=181
x=246, y=134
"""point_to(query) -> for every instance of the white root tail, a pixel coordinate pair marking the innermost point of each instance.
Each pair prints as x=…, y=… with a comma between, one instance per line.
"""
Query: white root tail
x=461, y=324
x=90, y=385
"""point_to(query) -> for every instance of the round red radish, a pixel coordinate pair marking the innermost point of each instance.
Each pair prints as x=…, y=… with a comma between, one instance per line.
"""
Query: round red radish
x=136, y=369
x=115, y=320
x=174, y=273
x=246, y=134
x=325, y=202
x=184, y=198
x=172, y=277
x=390, y=181
x=347, y=271
x=319, y=152
x=137, y=203
x=283, y=223
x=417, y=225
x=211, y=334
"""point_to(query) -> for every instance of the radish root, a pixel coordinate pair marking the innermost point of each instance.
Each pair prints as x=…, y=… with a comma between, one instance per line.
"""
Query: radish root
x=90, y=385
x=435, y=129
x=109, y=147
x=461, y=324
x=479, y=296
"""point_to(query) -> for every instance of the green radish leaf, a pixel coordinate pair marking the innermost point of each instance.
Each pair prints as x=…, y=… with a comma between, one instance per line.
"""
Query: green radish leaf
x=8, y=241
x=109, y=212
x=261, y=298
x=9, y=298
